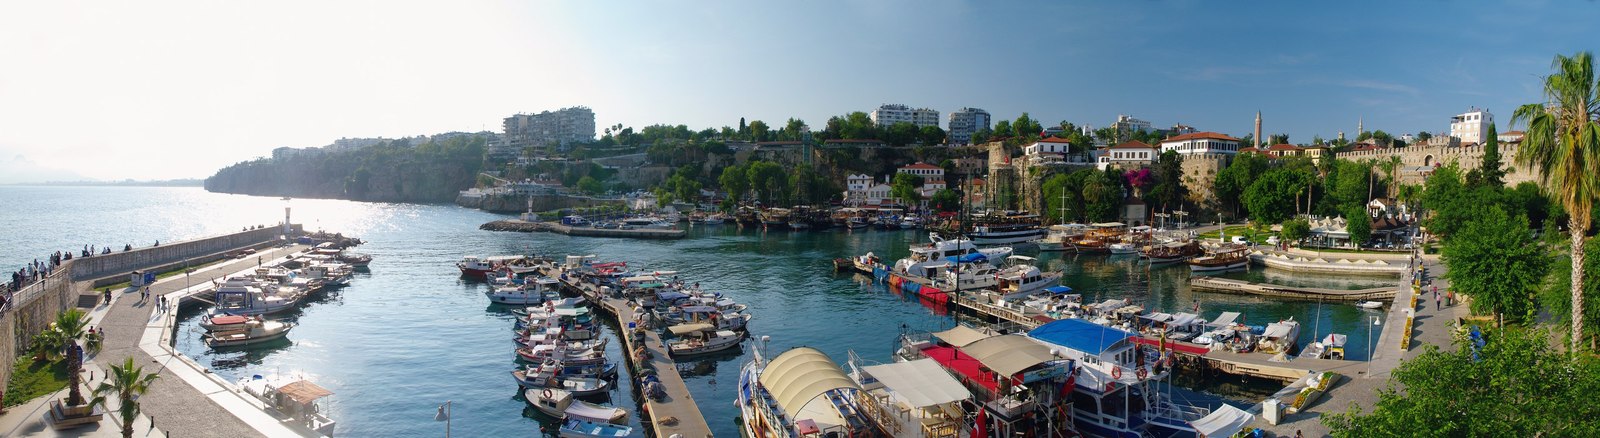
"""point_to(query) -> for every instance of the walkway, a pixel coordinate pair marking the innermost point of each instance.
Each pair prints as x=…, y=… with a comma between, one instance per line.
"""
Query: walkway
x=134, y=329
x=1360, y=386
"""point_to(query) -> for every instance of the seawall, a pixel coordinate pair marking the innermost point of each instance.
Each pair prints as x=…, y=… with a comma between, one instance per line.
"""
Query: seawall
x=35, y=307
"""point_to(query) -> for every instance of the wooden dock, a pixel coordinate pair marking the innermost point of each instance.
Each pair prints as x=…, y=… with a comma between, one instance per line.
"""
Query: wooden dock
x=553, y=227
x=1302, y=293
x=674, y=415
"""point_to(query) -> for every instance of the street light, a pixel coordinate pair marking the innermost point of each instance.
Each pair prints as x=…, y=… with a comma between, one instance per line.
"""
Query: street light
x=1375, y=321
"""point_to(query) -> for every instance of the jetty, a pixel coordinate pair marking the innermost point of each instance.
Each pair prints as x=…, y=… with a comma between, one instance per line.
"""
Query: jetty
x=676, y=414
x=1302, y=293
x=1331, y=263
x=555, y=227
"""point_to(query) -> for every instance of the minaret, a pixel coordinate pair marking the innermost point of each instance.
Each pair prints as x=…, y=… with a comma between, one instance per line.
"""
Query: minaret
x=1258, y=130
x=1359, y=128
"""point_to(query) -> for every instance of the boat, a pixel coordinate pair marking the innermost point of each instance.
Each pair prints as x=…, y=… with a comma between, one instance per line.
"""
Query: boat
x=919, y=397
x=294, y=398
x=1330, y=347
x=701, y=338
x=1061, y=237
x=856, y=223
x=1021, y=278
x=1370, y=305
x=1171, y=252
x=909, y=224
x=799, y=225
x=1116, y=384
x=927, y=259
x=355, y=260
x=239, y=296
x=862, y=263
x=559, y=403
x=226, y=322
x=716, y=219
x=799, y=393
x=1005, y=233
x=1122, y=248
x=537, y=377
x=1224, y=259
x=575, y=428
x=255, y=334
x=475, y=267
x=526, y=293
x=1279, y=337
x=775, y=218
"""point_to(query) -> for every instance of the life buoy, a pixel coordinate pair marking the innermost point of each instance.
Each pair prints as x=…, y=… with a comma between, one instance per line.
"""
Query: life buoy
x=1116, y=372
x=548, y=395
x=1143, y=373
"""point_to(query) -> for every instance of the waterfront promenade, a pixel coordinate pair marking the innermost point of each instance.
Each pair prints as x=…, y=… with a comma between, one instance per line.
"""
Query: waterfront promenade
x=1360, y=386
x=179, y=401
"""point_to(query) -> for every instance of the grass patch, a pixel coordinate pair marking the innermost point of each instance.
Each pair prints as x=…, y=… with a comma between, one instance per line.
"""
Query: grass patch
x=169, y=273
x=33, y=379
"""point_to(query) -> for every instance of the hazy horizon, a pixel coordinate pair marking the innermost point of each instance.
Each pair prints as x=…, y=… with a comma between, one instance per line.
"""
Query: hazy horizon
x=177, y=90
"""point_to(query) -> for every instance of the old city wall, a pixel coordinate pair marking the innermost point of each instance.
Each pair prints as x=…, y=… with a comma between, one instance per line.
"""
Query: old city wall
x=1467, y=157
x=1199, y=172
x=35, y=307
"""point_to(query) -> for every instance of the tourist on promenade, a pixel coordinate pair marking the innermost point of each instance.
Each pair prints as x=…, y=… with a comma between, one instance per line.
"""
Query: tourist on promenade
x=1435, y=299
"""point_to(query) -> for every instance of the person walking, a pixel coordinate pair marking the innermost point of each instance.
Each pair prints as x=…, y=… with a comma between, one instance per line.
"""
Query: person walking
x=1435, y=299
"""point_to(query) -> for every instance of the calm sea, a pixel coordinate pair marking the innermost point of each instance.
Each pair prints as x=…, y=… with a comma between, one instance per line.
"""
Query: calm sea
x=411, y=334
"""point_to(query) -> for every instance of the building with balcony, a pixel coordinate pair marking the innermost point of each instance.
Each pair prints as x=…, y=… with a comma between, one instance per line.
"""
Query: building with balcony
x=1472, y=127
x=1200, y=143
x=561, y=128
x=891, y=113
x=965, y=122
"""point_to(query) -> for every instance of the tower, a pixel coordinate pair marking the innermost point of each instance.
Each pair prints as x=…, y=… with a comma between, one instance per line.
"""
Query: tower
x=1258, y=130
x=1359, y=128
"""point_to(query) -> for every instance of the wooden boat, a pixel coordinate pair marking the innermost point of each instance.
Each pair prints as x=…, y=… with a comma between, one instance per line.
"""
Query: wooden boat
x=265, y=331
x=1169, y=253
x=1222, y=260
x=535, y=377
x=561, y=404
x=575, y=428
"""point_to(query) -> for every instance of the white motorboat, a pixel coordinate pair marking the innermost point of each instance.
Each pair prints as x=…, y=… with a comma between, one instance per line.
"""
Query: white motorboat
x=701, y=339
x=255, y=334
x=575, y=428
x=1330, y=347
x=225, y=322
x=559, y=403
x=529, y=292
x=1022, y=278
x=925, y=259
x=1370, y=305
x=1122, y=248
x=240, y=296
x=1279, y=337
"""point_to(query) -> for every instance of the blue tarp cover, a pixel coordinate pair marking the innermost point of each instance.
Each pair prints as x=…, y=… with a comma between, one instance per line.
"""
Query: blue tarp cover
x=1079, y=335
x=968, y=258
x=1058, y=289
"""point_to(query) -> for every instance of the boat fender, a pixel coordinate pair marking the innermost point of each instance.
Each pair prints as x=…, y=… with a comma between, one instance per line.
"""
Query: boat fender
x=1143, y=373
x=1116, y=372
x=548, y=395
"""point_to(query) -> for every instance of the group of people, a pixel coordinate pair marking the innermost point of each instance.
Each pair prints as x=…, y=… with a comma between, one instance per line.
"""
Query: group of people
x=37, y=270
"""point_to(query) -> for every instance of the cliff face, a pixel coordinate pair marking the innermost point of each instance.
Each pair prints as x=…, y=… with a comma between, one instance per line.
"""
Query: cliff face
x=379, y=173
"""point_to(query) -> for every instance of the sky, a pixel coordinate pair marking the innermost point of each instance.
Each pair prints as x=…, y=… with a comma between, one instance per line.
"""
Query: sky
x=163, y=90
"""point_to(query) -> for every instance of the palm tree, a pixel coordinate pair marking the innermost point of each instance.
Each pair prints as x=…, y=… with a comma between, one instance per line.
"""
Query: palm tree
x=126, y=382
x=70, y=328
x=1563, y=139
x=1392, y=184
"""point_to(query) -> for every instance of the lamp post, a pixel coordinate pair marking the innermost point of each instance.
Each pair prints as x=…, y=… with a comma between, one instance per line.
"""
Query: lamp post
x=1375, y=321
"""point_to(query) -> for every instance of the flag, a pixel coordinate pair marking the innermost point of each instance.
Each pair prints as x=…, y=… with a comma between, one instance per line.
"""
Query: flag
x=443, y=415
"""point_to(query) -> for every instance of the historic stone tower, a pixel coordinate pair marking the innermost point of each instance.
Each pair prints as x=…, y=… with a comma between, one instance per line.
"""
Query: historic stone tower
x=1258, y=130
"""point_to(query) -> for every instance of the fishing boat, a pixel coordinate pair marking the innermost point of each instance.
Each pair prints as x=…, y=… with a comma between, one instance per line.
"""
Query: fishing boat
x=1279, y=337
x=559, y=403
x=538, y=377
x=295, y=398
x=575, y=428
x=225, y=322
x=701, y=339
x=255, y=334
x=1330, y=347
x=476, y=267
x=355, y=260
x=1224, y=259
x=526, y=293
x=856, y=223
x=800, y=393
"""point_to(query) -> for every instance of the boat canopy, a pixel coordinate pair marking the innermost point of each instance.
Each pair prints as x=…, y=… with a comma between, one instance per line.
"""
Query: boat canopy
x=1332, y=340
x=799, y=375
x=1225, y=421
x=1087, y=337
x=699, y=309
x=671, y=296
x=1157, y=317
x=1226, y=318
x=1109, y=305
x=961, y=335
x=1184, y=318
x=1276, y=330
x=304, y=392
x=1058, y=290
x=1108, y=225
x=976, y=257
x=922, y=382
x=1066, y=227
x=684, y=329
x=1008, y=354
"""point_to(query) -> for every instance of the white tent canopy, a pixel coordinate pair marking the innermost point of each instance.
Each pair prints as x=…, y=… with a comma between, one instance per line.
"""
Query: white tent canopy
x=1226, y=318
x=1223, y=422
x=797, y=376
x=962, y=335
x=1008, y=354
x=922, y=382
x=1276, y=330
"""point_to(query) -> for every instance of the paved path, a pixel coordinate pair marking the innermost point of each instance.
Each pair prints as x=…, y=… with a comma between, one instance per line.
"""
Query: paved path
x=133, y=329
x=1360, y=387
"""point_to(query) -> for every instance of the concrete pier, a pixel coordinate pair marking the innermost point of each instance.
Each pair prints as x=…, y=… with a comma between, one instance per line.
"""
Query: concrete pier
x=553, y=227
x=1301, y=293
x=677, y=414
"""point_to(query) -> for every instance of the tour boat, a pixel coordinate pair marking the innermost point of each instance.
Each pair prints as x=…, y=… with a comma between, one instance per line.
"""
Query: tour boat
x=936, y=254
x=701, y=339
x=575, y=428
x=925, y=399
x=1061, y=237
x=1005, y=234
x=1221, y=260
x=800, y=393
x=559, y=403
x=1173, y=252
x=266, y=331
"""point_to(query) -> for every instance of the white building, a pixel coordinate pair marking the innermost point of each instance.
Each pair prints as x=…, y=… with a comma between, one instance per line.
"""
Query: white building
x=892, y=113
x=1047, y=146
x=966, y=121
x=1132, y=154
x=877, y=195
x=932, y=176
x=1201, y=143
x=856, y=188
x=1126, y=123
x=561, y=127
x=1472, y=126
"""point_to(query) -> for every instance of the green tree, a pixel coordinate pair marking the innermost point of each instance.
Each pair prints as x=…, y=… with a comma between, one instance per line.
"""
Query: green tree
x=1003, y=129
x=1231, y=182
x=982, y=136
x=1295, y=230
x=1271, y=198
x=590, y=186
x=769, y=180
x=1102, y=195
x=931, y=135
x=70, y=333
x=1495, y=260
x=1277, y=139
x=1358, y=224
x=1491, y=171
x=791, y=130
x=759, y=130
x=946, y=200
x=734, y=180
x=1556, y=296
x=901, y=134
x=1169, y=190
x=125, y=382
x=905, y=188
x=1515, y=385
x=1026, y=126
x=1563, y=140
x=1063, y=196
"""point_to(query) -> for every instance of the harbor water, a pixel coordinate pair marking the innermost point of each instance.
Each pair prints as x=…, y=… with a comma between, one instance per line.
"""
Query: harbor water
x=412, y=334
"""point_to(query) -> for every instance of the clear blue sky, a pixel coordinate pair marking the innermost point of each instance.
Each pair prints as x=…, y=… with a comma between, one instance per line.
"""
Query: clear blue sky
x=171, y=90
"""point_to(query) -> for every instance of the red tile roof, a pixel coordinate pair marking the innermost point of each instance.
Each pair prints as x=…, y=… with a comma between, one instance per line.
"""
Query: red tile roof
x=1511, y=133
x=1201, y=136
x=1054, y=139
x=1248, y=149
x=1134, y=144
x=922, y=165
x=1283, y=147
